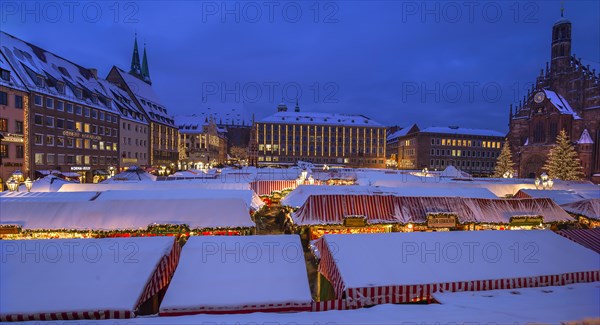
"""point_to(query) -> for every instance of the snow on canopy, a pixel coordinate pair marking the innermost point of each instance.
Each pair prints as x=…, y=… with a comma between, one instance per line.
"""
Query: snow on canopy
x=239, y=274
x=214, y=184
x=298, y=196
x=589, y=208
x=589, y=238
x=128, y=214
x=132, y=174
x=427, y=262
x=25, y=197
x=77, y=275
x=332, y=209
x=48, y=183
x=452, y=171
x=559, y=196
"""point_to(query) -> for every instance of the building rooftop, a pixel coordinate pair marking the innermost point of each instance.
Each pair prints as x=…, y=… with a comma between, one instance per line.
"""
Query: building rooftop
x=462, y=131
x=320, y=119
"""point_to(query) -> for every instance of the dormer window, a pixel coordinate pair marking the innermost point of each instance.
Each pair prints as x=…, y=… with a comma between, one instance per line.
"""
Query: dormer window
x=60, y=87
x=5, y=75
x=78, y=93
x=94, y=98
x=40, y=81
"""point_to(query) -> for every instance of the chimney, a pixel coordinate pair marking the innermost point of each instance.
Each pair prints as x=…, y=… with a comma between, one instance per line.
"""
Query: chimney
x=94, y=72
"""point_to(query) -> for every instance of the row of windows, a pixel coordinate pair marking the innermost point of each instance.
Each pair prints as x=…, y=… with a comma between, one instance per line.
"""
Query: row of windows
x=59, y=123
x=4, y=100
x=19, y=153
x=320, y=160
x=61, y=159
x=51, y=103
x=137, y=142
x=464, y=153
x=141, y=129
x=465, y=143
x=69, y=142
x=464, y=164
x=319, y=149
x=138, y=155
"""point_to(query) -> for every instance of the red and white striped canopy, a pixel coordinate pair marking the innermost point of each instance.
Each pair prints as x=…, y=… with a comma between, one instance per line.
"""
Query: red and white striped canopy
x=588, y=208
x=589, y=238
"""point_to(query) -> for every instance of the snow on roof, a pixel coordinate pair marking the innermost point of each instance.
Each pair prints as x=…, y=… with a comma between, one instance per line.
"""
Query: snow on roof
x=585, y=138
x=452, y=171
x=371, y=260
x=170, y=185
x=332, y=209
x=252, y=200
x=25, y=197
x=128, y=214
x=320, y=119
x=462, y=131
x=560, y=103
x=48, y=183
x=400, y=133
x=298, y=196
x=131, y=175
x=544, y=305
x=14, y=80
x=221, y=116
x=76, y=275
x=191, y=123
x=558, y=196
x=238, y=271
x=589, y=208
x=147, y=98
x=30, y=61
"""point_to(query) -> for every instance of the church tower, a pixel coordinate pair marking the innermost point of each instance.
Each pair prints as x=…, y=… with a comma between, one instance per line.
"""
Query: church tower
x=145, y=70
x=561, y=45
x=136, y=69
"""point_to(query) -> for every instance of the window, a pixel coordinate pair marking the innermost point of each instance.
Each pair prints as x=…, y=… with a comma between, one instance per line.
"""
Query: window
x=3, y=98
x=78, y=93
x=114, y=119
x=49, y=103
x=50, y=159
x=61, y=159
x=60, y=141
x=18, y=127
x=3, y=151
x=39, y=81
x=86, y=111
x=37, y=100
x=70, y=125
x=108, y=119
x=78, y=126
x=60, y=123
x=101, y=145
x=60, y=106
x=70, y=142
x=38, y=139
x=60, y=87
x=86, y=160
x=18, y=101
x=114, y=147
x=39, y=158
x=101, y=116
x=94, y=129
x=78, y=159
x=86, y=143
x=49, y=140
x=38, y=119
x=50, y=121
x=69, y=108
x=3, y=125
x=86, y=128
x=20, y=151
x=94, y=114
x=78, y=110
x=5, y=74
x=78, y=143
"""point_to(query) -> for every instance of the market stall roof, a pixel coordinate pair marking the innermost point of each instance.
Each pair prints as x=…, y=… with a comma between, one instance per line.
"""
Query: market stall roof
x=74, y=278
x=452, y=261
x=132, y=174
x=589, y=208
x=239, y=274
x=332, y=209
x=252, y=200
x=559, y=196
x=26, y=197
x=589, y=238
x=158, y=186
x=128, y=214
x=299, y=196
x=50, y=183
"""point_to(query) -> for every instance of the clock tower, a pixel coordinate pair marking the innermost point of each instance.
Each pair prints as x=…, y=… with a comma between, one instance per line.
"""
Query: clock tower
x=561, y=44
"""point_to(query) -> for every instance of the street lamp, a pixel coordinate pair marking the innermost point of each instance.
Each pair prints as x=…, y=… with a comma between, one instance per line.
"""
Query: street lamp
x=17, y=175
x=28, y=184
x=13, y=185
x=425, y=171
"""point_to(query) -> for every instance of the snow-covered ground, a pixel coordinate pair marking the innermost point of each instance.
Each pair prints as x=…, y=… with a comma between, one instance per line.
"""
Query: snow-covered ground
x=549, y=305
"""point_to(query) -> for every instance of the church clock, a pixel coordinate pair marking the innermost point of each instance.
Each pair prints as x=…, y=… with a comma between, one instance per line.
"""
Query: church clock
x=539, y=97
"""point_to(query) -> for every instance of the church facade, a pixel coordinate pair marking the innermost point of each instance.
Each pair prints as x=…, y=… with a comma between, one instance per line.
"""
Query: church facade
x=566, y=95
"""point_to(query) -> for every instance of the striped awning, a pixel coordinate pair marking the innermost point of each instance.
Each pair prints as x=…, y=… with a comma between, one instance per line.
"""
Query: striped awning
x=589, y=208
x=589, y=238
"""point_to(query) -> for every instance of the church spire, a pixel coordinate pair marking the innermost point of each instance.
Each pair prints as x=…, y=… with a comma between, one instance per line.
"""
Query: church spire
x=135, y=59
x=145, y=70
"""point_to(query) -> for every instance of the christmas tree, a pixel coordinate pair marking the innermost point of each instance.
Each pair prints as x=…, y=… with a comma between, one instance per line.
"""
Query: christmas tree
x=504, y=163
x=563, y=162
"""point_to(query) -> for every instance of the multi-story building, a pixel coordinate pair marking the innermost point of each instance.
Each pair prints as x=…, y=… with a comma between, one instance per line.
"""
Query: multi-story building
x=566, y=95
x=13, y=107
x=321, y=138
x=472, y=150
x=162, y=132
x=71, y=124
x=201, y=141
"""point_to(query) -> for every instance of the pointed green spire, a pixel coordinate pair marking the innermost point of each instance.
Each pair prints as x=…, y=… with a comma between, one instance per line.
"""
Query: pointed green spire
x=145, y=70
x=135, y=59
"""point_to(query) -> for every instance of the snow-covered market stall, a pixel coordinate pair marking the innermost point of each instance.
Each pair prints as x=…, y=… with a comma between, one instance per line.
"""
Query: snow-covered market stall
x=329, y=214
x=84, y=278
x=239, y=275
x=368, y=269
x=589, y=238
x=124, y=218
x=586, y=211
